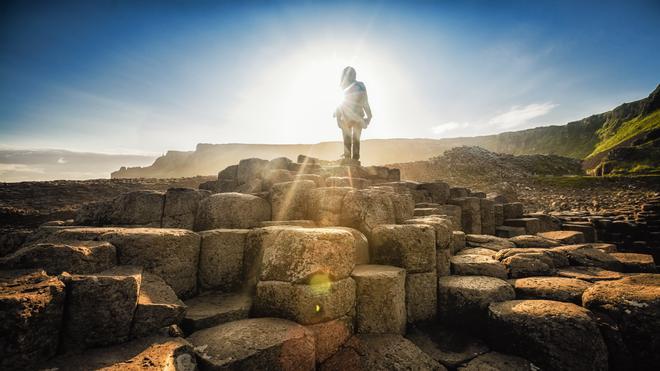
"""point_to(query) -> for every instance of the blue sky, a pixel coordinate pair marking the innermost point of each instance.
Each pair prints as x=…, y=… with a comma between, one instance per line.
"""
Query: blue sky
x=144, y=77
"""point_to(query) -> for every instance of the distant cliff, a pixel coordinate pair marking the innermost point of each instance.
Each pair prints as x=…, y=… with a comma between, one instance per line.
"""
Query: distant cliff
x=591, y=138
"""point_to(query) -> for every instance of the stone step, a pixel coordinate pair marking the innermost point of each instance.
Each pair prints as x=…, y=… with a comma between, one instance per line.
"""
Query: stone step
x=507, y=231
x=550, y=288
x=564, y=237
x=380, y=299
x=477, y=265
x=531, y=225
x=212, y=309
x=635, y=263
x=157, y=306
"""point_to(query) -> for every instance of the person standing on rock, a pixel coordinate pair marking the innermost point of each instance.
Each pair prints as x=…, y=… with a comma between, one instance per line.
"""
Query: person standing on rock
x=353, y=114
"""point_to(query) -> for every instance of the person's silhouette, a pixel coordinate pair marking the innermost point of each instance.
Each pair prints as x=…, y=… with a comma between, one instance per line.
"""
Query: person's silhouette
x=353, y=114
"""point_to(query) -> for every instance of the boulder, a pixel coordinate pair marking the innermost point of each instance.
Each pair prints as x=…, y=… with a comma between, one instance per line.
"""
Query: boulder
x=80, y=257
x=470, y=213
x=157, y=306
x=231, y=210
x=487, y=208
x=513, y=210
x=221, y=259
x=380, y=352
x=181, y=207
x=31, y=310
x=531, y=225
x=477, y=265
x=380, y=299
x=157, y=352
x=488, y=242
x=463, y=300
x=591, y=274
x=293, y=254
x=635, y=263
x=533, y=241
x=551, y=288
x=213, y=308
x=290, y=200
x=450, y=347
x=421, y=296
x=250, y=168
x=634, y=304
x=330, y=336
x=529, y=264
x=458, y=241
x=553, y=335
x=320, y=301
x=255, y=344
x=410, y=246
x=100, y=307
x=325, y=205
x=564, y=237
x=588, y=256
x=365, y=209
x=171, y=254
x=497, y=361
x=442, y=227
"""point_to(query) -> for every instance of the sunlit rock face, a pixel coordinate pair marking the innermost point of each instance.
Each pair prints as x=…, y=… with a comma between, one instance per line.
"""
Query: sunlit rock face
x=317, y=265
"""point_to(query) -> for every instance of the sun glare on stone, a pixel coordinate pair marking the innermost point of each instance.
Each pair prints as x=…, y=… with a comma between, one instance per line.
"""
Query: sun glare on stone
x=320, y=283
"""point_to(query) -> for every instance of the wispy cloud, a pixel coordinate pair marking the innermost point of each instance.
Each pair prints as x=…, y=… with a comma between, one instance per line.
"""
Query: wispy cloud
x=519, y=115
x=447, y=126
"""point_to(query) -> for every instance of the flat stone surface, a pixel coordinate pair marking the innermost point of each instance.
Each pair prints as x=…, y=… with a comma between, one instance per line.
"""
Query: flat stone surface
x=591, y=274
x=564, y=237
x=551, y=288
x=31, y=312
x=635, y=263
x=212, y=309
x=488, y=242
x=585, y=255
x=477, y=265
x=79, y=257
x=551, y=334
x=255, y=344
x=527, y=240
x=528, y=265
x=476, y=251
x=157, y=306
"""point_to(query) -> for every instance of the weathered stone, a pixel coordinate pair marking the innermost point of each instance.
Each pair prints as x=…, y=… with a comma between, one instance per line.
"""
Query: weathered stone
x=453, y=212
x=529, y=264
x=271, y=177
x=604, y=247
x=533, y=241
x=291, y=223
x=361, y=245
x=477, y=251
x=487, y=208
x=458, y=241
x=547, y=222
x=564, y=237
x=321, y=300
x=438, y=191
x=293, y=254
x=330, y=336
x=458, y=192
x=531, y=225
x=325, y=205
x=557, y=257
x=228, y=173
x=505, y=231
x=591, y=274
x=157, y=306
x=231, y=210
x=221, y=259
x=635, y=263
x=154, y=353
x=344, y=181
x=255, y=344
x=588, y=231
x=488, y=242
x=477, y=265
x=551, y=288
x=443, y=262
x=317, y=179
x=634, y=304
x=410, y=246
x=365, y=209
x=380, y=352
x=100, y=307
x=404, y=206
x=513, y=210
x=463, y=300
x=442, y=227
x=212, y=309
x=447, y=346
x=252, y=186
x=172, y=254
x=290, y=200
x=249, y=169
x=31, y=309
x=470, y=213
x=587, y=256
x=421, y=296
x=80, y=257
x=497, y=361
x=380, y=299
x=180, y=207
x=551, y=334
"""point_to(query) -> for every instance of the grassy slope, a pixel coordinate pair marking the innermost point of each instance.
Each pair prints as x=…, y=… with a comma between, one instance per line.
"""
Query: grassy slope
x=628, y=130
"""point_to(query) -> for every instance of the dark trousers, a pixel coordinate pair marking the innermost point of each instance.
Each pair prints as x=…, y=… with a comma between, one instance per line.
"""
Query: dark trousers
x=351, y=132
